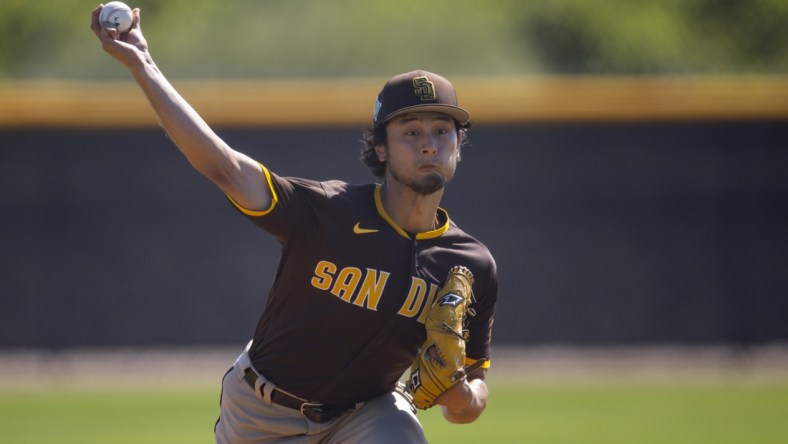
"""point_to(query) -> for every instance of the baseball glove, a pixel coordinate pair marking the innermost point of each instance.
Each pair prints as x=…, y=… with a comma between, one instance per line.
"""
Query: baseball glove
x=441, y=359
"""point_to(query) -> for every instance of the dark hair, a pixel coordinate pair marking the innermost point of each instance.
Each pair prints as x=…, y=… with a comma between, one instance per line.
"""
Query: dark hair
x=377, y=136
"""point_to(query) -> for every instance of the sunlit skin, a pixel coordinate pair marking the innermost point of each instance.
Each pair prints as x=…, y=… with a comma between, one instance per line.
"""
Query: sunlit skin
x=421, y=154
x=428, y=141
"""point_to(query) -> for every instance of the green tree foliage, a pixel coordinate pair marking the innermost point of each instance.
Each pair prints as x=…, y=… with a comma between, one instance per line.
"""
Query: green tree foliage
x=664, y=36
x=318, y=38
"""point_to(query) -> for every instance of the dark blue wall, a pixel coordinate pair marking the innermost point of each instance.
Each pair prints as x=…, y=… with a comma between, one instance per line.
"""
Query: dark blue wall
x=604, y=233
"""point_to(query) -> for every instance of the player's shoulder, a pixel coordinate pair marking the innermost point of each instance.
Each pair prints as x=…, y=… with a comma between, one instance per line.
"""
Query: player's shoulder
x=331, y=188
x=338, y=187
x=461, y=237
x=472, y=248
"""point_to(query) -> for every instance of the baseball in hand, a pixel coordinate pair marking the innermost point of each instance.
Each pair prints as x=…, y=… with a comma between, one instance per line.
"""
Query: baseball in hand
x=116, y=15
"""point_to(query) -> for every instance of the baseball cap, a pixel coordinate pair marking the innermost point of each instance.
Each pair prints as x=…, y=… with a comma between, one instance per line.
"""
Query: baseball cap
x=417, y=91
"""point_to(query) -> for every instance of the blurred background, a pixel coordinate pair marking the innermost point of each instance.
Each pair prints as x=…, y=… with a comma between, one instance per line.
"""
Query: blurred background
x=339, y=38
x=628, y=166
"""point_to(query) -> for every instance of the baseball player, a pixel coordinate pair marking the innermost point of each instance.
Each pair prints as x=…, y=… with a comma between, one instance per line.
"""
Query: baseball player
x=376, y=283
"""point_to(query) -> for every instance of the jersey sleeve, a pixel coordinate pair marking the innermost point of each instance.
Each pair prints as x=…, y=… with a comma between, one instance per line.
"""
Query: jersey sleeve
x=480, y=326
x=291, y=211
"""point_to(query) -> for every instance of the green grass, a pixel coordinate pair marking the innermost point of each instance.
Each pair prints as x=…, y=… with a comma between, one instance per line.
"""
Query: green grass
x=108, y=417
x=575, y=413
x=642, y=414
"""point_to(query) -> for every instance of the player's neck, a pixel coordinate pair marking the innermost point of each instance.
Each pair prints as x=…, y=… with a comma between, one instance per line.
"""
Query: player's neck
x=412, y=211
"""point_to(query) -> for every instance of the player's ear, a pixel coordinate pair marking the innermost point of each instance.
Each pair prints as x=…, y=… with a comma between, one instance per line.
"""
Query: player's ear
x=380, y=151
x=460, y=142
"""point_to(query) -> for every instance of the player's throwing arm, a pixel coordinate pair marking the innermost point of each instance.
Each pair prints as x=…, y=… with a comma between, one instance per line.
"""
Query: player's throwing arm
x=235, y=173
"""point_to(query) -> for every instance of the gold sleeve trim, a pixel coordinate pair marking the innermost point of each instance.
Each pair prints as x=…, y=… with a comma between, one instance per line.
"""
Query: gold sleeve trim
x=274, y=197
x=469, y=361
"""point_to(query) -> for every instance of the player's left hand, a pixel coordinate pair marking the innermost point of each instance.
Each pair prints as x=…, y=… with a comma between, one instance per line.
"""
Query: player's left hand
x=464, y=402
x=457, y=397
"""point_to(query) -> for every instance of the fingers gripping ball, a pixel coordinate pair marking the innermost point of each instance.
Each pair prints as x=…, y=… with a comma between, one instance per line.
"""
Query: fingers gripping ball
x=116, y=15
x=441, y=359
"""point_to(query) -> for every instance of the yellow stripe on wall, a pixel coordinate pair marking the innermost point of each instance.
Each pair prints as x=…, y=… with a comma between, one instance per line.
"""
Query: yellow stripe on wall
x=348, y=101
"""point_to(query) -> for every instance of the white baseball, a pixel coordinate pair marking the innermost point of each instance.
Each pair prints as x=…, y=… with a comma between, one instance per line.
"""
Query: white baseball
x=116, y=15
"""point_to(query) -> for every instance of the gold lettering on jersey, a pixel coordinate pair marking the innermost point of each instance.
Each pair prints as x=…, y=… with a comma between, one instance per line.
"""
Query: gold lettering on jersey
x=419, y=300
x=428, y=303
x=324, y=272
x=371, y=289
x=415, y=299
x=365, y=288
x=346, y=283
x=349, y=281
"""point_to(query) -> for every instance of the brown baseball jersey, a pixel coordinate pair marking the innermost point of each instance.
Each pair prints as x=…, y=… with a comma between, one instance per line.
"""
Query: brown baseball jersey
x=345, y=315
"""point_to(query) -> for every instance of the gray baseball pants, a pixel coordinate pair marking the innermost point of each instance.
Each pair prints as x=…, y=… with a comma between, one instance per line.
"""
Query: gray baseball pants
x=248, y=416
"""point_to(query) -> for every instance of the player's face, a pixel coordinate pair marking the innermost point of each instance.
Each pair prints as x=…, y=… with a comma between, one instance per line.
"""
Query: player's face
x=421, y=151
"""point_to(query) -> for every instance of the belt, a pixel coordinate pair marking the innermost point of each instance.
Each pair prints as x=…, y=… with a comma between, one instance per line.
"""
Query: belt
x=313, y=411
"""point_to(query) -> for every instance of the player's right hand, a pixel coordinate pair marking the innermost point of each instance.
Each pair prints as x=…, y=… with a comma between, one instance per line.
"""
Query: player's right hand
x=129, y=47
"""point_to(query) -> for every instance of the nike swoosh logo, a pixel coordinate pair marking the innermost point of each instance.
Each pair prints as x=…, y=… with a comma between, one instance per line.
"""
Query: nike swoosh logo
x=358, y=230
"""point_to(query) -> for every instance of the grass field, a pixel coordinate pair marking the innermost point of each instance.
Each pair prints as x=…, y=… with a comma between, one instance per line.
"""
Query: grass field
x=628, y=413
x=545, y=396
x=579, y=412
